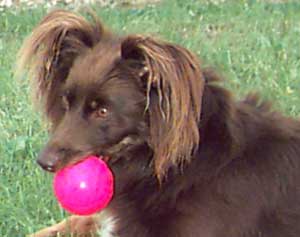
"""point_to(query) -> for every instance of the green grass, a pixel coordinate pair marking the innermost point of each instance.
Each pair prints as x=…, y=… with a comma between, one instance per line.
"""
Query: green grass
x=254, y=44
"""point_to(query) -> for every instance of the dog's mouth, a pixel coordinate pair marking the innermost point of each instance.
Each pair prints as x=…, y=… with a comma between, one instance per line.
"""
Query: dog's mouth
x=110, y=154
x=51, y=163
x=79, y=158
x=75, y=160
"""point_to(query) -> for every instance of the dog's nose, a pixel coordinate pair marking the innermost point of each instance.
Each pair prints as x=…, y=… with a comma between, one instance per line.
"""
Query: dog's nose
x=48, y=166
x=48, y=161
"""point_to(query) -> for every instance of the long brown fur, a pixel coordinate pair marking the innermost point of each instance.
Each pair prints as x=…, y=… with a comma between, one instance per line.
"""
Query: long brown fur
x=176, y=76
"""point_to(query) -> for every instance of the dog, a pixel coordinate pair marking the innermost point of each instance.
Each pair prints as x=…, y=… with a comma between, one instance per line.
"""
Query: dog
x=189, y=160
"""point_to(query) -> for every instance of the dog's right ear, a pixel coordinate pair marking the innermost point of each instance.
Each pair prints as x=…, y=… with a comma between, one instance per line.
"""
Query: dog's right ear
x=174, y=90
x=48, y=54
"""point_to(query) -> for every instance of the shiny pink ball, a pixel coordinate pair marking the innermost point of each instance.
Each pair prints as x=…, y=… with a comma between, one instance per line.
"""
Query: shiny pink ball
x=84, y=188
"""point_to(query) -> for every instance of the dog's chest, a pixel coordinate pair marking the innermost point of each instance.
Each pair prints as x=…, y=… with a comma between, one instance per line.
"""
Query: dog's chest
x=107, y=224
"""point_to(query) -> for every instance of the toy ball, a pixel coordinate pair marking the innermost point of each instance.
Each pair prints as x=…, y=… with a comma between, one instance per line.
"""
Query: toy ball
x=84, y=188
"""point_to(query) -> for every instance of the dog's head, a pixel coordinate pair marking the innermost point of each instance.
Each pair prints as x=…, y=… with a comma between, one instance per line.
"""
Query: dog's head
x=103, y=94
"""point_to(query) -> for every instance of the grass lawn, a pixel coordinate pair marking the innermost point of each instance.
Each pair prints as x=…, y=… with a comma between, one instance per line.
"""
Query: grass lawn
x=254, y=44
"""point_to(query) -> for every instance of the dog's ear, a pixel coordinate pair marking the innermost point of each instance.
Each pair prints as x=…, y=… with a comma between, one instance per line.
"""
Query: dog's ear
x=48, y=54
x=174, y=85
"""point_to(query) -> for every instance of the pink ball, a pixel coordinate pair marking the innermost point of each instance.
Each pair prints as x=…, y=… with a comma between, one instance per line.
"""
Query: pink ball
x=84, y=188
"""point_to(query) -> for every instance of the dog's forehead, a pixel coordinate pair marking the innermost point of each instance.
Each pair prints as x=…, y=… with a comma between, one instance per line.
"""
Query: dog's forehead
x=95, y=64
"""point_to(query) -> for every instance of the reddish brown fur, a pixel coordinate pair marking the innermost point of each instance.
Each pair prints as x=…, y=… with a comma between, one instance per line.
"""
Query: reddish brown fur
x=188, y=159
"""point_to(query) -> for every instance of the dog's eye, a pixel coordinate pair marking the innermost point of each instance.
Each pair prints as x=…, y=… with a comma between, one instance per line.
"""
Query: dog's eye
x=102, y=112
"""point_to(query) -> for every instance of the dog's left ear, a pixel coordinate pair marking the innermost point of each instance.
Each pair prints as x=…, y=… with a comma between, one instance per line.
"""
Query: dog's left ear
x=174, y=93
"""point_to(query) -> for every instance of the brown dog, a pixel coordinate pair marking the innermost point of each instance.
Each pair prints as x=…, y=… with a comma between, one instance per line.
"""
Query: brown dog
x=188, y=159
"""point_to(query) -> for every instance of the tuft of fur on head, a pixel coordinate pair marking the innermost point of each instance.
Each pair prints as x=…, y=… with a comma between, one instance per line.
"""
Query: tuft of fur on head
x=50, y=51
x=174, y=90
